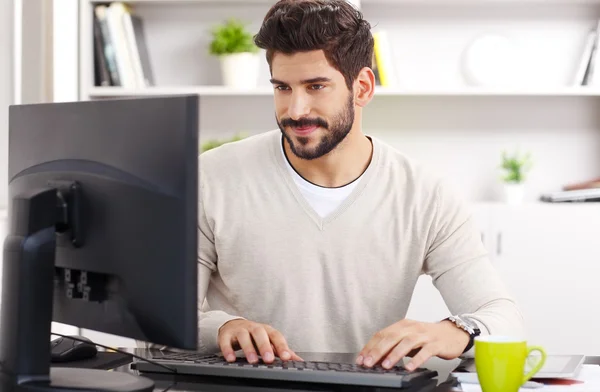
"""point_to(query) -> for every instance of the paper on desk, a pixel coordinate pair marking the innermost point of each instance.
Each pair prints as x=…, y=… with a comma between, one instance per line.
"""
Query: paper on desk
x=589, y=374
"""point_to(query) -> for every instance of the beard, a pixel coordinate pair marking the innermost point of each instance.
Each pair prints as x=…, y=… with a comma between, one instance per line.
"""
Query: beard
x=335, y=132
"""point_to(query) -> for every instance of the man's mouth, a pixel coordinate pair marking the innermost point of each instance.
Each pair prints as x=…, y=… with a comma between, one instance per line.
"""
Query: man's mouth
x=305, y=130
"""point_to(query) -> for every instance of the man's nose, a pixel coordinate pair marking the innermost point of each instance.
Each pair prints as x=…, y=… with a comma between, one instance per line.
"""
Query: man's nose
x=299, y=106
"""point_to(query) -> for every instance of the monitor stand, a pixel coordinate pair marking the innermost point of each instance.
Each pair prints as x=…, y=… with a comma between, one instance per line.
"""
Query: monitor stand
x=27, y=297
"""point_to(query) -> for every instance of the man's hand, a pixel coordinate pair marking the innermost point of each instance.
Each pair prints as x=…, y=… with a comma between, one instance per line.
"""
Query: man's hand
x=390, y=345
x=253, y=337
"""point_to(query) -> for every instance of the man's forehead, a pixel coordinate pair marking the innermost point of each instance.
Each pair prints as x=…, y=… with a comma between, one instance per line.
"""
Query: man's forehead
x=301, y=66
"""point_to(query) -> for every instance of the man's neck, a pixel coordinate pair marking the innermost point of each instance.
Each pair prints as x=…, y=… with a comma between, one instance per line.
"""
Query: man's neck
x=340, y=167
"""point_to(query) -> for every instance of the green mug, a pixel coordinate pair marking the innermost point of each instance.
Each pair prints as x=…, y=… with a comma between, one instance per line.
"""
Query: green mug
x=500, y=362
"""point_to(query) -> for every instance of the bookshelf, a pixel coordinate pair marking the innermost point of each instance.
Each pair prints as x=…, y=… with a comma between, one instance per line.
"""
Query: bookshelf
x=434, y=115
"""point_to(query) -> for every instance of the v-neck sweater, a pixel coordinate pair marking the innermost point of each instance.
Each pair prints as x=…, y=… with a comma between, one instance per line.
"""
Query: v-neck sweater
x=321, y=199
x=329, y=283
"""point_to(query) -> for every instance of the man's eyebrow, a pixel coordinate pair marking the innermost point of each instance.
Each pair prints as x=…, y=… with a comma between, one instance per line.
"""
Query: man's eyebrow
x=319, y=79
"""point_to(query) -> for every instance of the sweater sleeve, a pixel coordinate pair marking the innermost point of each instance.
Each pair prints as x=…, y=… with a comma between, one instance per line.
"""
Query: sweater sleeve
x=209, y=321
x=461, y=270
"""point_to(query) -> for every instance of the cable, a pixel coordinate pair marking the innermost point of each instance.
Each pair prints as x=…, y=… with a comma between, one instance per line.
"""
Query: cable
x=169, y=387
x=117, y=350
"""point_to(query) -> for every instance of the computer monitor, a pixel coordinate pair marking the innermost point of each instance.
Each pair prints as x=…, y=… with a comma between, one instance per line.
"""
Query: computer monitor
x=102, y=231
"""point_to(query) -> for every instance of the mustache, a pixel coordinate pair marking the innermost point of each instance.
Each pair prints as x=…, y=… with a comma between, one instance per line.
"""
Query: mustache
x=305, y=122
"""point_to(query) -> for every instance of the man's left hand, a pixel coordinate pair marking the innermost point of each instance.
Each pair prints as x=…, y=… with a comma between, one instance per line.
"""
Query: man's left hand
x=390, y=345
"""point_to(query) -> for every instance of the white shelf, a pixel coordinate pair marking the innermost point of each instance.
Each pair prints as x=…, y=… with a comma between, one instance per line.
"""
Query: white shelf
x=110, y=92
x=473, y=91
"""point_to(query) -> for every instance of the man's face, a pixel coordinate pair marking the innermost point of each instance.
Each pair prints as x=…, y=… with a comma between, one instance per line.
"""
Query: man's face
x=313, y=106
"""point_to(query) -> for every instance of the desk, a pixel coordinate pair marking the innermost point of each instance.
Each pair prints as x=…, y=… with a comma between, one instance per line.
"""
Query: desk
x=181, y=383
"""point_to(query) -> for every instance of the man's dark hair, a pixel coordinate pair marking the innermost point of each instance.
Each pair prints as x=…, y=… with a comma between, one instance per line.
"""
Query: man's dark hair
x=334, y=26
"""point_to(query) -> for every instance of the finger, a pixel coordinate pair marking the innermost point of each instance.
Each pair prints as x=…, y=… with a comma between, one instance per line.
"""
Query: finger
x=374, y=341
x=263, y=343
x=423, y=355
x=402, y=349
x=281, y=346
x=226, y=347
x=381, y=349
x=296, y=357
x=247, y=345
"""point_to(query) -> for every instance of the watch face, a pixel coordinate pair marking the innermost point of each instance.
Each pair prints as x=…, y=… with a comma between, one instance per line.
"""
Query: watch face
x=471, y=324
x=466, y=323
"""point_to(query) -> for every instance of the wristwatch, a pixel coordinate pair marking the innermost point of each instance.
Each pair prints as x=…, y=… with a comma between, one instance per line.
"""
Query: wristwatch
x=469, y=326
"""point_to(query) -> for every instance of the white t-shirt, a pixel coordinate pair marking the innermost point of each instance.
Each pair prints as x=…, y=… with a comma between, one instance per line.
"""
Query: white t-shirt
x=323, y=200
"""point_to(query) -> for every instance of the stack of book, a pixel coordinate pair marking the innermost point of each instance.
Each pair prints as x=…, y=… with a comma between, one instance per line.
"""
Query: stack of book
x=588, y=191
x=120, y=51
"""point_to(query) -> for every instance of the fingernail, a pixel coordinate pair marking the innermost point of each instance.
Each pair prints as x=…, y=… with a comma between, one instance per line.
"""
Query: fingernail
x=387, y=364
x=410, y=367
x=368, y=361
x=268, y=357
x=359, y=360
x=231, y=357
x=285, y=355
x=252, y=358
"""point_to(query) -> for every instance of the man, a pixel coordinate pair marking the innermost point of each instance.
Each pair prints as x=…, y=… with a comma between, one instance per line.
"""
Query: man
x=312, y=236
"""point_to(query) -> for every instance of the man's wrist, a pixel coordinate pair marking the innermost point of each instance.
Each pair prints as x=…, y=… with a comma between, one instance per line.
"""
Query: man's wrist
x=461, y=335
x=469, y=329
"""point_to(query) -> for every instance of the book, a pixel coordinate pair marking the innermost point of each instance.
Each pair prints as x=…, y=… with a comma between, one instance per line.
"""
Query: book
x=585, y=64
x=384, y=59
x=121, y=56
x=108, y=48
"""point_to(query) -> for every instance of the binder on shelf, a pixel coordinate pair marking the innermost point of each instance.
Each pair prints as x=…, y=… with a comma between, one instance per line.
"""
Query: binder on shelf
x=574, y=196
x=384, y=60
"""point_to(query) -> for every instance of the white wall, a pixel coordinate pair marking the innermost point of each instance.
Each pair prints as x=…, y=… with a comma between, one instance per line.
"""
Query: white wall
x=462, y=138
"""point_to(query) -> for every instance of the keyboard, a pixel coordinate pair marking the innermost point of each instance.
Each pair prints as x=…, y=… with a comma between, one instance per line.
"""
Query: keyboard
x=322, y=372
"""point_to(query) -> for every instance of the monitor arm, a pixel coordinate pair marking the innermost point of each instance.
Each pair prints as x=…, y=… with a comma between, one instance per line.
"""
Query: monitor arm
x=36, y=219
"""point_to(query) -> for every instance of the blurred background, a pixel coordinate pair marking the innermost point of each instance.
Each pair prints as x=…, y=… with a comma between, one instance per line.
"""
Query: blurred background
x=499, y=96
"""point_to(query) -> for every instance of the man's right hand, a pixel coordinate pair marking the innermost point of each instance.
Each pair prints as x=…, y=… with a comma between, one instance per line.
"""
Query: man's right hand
x=254, y=338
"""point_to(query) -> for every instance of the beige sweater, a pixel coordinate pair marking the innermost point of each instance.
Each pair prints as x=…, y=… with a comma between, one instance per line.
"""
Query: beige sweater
x=328, y=284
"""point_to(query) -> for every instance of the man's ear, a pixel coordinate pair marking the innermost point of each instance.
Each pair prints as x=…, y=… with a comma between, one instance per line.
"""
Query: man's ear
x=364, y=87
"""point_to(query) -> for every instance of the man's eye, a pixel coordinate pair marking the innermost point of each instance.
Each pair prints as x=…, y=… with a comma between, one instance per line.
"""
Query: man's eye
x=316, y=86
x=282, y=88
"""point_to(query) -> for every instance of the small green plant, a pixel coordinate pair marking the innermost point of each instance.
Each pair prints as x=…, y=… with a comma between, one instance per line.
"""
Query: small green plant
x=231, y=37
x=214, y=143
x=515, y=167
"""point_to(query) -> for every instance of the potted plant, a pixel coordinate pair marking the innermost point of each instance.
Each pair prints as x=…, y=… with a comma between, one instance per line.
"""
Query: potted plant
x=515, y=167
x=233, y=44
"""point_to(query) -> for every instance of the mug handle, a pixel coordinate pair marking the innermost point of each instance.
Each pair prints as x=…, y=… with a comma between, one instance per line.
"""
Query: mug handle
x=538, y=366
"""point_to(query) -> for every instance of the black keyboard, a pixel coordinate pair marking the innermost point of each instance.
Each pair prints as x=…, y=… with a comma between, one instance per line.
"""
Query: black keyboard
x=292, y=371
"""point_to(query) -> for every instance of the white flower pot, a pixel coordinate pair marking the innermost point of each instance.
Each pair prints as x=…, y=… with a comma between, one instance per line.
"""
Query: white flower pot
x=514, y=193
x=240, y=70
